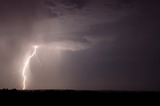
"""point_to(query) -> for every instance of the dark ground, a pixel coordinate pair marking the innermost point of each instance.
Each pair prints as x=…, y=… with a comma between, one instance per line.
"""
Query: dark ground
x=77, y=96
x=15, y=92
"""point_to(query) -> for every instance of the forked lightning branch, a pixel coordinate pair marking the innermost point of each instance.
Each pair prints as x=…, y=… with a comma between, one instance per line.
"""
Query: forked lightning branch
x=26, y=65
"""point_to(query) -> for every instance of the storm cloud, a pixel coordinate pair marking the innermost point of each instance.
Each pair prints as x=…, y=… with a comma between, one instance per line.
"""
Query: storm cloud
x=84, y=44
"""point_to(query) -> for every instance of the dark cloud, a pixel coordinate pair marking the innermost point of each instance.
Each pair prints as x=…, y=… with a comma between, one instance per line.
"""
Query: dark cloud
x=71, y=3
x=84, y=44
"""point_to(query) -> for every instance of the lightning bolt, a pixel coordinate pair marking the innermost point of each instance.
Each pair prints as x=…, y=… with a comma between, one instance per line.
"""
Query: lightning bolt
x=25, y=66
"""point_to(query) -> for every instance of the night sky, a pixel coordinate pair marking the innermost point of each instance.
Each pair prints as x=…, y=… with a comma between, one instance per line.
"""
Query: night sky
x=83, y=44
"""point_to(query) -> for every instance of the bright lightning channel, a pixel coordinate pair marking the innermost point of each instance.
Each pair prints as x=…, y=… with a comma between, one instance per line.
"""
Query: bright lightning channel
x=25, y=66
